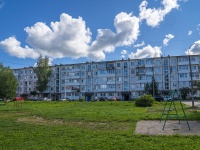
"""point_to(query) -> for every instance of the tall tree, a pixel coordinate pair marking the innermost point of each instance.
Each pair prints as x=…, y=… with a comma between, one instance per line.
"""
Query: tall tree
x=8, y=84
x=151, y=88
x=43, y=72
x=184, y=92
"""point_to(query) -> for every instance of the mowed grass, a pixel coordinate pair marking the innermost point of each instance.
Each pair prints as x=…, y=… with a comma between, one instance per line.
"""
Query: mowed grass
x=85, y=126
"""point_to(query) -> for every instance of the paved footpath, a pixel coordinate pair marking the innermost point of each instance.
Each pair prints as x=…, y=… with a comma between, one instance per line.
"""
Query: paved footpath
x=189, y=103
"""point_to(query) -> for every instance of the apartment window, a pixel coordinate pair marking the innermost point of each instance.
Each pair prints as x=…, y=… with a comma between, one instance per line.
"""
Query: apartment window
x=183, y=59
x=166, y=86
x=82, y=74
x=148, y=77
x=82, y=67
x=103, y=86
x=173, y=61
x=126, y=87
x=118, y=64
x=132, y=71
x=125, y=64
x=132, y=78
x=183, y=75
x=174, y=84
x=183, y=67
x=118, y=72
x=125, y=72
x=132, y=64
x=165, y=62
x=158, y=62
x=158, y=77
x=149, y=61
x=89, y=67
x=119, y=79
x=173, y=69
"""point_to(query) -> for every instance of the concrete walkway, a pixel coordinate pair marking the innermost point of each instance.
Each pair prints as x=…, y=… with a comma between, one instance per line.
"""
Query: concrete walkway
x=154, y=127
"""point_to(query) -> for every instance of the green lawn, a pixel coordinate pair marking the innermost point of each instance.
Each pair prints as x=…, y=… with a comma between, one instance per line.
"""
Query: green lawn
x=85, y=126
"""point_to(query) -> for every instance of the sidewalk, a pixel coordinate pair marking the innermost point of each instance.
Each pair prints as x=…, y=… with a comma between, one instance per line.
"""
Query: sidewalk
x=189, y=103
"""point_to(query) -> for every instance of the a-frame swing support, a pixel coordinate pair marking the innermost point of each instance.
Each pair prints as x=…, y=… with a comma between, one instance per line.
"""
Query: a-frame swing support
x=166, y=112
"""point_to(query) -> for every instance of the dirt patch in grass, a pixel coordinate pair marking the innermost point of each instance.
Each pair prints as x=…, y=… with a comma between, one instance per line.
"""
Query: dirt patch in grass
x=88, y=125
x=12, y=114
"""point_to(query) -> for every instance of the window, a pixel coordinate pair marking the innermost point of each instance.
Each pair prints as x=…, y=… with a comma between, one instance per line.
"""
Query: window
x=132, y=64
x=183, y=75
x=125, y=72
x=119, y=79
x=183, y=67
x=125, y=65
x=118, y=72
x=103, y=86
x=118, y=65
x=132, y=71
x=126, y=87
x=165, y=62
x=183, y=59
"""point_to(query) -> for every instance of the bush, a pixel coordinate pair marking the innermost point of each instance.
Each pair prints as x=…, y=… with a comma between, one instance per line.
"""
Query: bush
x=144, y=101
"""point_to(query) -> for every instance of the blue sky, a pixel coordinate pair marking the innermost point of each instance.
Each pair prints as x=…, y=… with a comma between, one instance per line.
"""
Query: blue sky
x=75, y=31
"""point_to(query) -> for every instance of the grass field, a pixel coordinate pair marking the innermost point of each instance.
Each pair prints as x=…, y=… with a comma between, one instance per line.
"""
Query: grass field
x=85, y=126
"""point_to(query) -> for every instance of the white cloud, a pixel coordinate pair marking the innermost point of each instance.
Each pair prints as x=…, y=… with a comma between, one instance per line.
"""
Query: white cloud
x=190, y=32
x=145, y=52
x=67, y=38
x=194, y=49
x=71, y=38
x=12, y=46
x=127, y=32
x=139, y=45
x=124, y=52
x=123, y=57
x=154, y=16
x=168, y=37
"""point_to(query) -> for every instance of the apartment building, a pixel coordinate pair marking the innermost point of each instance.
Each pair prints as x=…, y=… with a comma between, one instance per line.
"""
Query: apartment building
x=124, y=79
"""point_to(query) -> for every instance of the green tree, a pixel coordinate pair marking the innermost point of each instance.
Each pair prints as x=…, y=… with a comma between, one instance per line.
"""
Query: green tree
x=151, y=88
x=184, y=91
x=147, y=88
x=43, y=72
x=8, y=84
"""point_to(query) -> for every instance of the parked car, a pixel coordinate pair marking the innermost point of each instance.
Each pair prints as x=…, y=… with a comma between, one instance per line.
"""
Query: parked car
x=158, y=98
x=102, y=99
x=167, y=98
x=46, y=99
x=18, y=98
x=115, y=98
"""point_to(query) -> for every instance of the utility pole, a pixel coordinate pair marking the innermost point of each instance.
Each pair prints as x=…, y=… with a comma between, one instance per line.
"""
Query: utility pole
x=191, y=80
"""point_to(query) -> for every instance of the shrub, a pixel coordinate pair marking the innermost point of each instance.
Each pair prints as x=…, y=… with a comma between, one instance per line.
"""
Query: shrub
x=144, y=101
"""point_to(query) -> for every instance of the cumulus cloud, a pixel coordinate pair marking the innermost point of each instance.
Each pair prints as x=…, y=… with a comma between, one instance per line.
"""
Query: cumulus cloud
x=71, y=38
x=146, y=52
x=123, y=52
x=154, y=16
x=190, y=32
x=139, y=45
x=67, y=38
x=12, y=46
x=127, y=31
x=168, y=37
x=194, y=49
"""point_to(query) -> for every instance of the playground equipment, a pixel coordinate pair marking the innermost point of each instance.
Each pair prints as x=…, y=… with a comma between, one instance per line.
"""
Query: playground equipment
x=167, y=112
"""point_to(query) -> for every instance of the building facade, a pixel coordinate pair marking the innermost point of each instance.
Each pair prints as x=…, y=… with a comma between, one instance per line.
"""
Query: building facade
x=124, y=79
